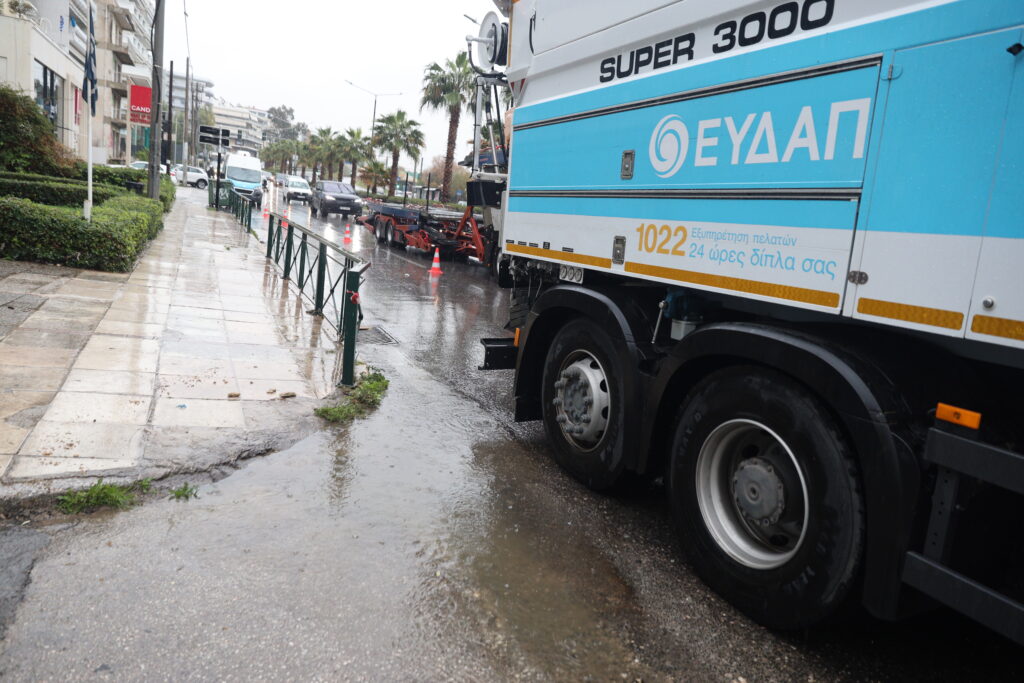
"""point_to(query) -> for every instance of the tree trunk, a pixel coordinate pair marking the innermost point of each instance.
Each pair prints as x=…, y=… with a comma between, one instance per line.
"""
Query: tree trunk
x=395, y=154
x=449, y=158
x=353, y=174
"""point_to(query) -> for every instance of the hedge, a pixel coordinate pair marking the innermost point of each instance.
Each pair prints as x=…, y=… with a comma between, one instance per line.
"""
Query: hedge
x=152, y=209
x=168, y=191
x=57, y=192
x=49, y=234
x=116, y=182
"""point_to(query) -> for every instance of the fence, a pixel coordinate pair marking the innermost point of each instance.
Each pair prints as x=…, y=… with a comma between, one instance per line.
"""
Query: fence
x=327, y=275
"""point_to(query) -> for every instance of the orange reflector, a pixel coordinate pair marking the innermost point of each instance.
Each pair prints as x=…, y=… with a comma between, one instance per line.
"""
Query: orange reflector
x=516, y=342
x=958, y=416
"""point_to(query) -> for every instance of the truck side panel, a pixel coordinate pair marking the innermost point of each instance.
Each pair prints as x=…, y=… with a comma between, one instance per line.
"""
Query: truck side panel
x=927, y=210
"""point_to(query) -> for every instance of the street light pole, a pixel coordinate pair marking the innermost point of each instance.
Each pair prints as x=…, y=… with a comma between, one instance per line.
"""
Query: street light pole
x=155, y=134
x=373, y=124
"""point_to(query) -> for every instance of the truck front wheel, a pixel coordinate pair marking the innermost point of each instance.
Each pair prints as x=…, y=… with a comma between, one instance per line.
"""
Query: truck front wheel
x=766, y=494
x=583, y=409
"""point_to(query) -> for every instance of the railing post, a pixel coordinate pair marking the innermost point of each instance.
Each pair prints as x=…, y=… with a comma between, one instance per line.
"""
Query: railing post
x=321, y=275
x=288, y=252
x=302, y=262
x=350, y=325
x=270, y=237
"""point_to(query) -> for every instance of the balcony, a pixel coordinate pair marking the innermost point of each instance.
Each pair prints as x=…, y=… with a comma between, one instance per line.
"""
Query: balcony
x=138, y=75
x=142, y=15
x=81, y=8
x=78, y=40
x=140, y=55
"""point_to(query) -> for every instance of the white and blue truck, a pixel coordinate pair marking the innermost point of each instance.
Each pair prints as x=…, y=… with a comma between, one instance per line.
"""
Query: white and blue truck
x=773, y=252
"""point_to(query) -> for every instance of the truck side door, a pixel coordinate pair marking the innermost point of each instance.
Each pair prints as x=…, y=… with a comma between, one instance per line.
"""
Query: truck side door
x=922, y=226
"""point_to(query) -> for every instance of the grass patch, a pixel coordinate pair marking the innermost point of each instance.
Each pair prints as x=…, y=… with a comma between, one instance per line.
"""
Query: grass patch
x=99, y=495
x=184, y=492
x=360, y=400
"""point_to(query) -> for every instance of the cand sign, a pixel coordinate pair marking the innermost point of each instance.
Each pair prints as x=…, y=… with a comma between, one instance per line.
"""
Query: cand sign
x=140, y=102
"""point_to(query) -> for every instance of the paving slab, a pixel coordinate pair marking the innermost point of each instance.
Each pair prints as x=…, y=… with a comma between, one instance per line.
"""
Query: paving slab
x=177, y=366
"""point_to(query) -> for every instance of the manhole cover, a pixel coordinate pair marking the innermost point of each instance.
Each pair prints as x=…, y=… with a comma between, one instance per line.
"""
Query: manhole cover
x=375, y=335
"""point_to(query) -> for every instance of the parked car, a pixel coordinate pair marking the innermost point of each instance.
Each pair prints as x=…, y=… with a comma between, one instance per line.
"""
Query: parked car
x=331, y=196
x=297, y=188
x=196, y=176
x=140, y=166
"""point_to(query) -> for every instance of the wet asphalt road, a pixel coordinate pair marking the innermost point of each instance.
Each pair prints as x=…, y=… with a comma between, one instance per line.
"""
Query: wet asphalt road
x=433, y=540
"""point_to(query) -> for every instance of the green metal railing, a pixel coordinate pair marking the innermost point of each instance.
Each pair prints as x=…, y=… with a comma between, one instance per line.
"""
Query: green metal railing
x=326, y=275
x=242, y=207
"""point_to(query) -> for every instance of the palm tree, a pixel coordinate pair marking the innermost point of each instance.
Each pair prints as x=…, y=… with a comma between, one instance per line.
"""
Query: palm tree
x=321, y=147
x=449, y=88
x=374, y=173
x=307, y=157
x=357, y=149
x=398, y=133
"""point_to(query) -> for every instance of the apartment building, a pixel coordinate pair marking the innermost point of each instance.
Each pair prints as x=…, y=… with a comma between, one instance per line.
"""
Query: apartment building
x=246, y=125
x=42, y=53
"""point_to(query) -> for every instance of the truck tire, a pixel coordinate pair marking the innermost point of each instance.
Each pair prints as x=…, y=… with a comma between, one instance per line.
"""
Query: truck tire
x=582, y=404
x=767, y=497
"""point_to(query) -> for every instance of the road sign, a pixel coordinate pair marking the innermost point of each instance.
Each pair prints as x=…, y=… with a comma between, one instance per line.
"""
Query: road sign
x=210, y=140
x=214, y=131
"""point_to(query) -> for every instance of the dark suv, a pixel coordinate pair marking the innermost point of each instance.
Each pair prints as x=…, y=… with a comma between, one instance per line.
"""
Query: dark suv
x=330, y=196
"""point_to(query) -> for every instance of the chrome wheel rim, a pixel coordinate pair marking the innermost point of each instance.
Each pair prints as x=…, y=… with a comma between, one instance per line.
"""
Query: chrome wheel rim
x=582, y=400
x=752, y=494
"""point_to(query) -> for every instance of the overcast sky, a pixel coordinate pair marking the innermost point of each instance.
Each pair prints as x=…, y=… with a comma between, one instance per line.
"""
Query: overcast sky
x=264, y=53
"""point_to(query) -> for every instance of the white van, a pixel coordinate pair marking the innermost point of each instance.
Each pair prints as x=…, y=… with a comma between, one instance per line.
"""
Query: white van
x=244, y=172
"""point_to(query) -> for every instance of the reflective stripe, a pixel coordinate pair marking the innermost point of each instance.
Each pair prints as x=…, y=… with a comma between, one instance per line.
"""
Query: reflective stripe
x=998, y=327
x=922, y=315
x=808, y=296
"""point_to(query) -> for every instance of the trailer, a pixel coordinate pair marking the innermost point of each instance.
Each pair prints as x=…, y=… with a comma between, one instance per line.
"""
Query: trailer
x=456, y=235
x=771, y=252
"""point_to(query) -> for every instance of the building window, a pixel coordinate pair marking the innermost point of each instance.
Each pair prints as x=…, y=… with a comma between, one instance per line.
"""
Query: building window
x=49, y=93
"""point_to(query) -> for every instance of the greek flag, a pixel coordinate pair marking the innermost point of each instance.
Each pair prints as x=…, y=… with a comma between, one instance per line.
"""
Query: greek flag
x=89, y=84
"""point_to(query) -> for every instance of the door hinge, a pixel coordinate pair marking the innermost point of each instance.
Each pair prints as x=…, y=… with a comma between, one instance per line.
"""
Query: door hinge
x=858, y=277
x=894, y=72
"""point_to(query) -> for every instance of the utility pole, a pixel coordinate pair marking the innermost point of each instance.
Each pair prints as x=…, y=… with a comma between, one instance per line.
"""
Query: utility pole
x=155, y=135
x=170, y=121
x=184, y=127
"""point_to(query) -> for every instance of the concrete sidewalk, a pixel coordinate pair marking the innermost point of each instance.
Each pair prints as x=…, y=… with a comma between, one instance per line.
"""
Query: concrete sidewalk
x=180, y=366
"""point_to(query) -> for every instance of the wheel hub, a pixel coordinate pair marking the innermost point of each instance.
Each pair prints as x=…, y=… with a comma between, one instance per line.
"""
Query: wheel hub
x=582, y=402
x=752, y=494
x=758, y=491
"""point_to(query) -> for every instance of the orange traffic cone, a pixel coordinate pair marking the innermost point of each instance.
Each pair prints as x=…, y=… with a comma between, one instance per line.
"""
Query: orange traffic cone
x=266, y=211
x=348, y=234
x=435, y=268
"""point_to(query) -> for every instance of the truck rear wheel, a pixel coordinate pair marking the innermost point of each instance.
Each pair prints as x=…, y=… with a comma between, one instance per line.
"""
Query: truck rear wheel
x=767, y=497
x=583, y=409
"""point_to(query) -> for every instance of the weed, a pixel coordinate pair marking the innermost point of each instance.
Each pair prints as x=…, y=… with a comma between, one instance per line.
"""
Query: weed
x=184, y=492
x=96, y=496
x=144, y=485
x=365, y=396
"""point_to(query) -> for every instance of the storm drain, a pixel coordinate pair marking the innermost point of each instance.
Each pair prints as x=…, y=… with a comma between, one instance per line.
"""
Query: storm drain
x=375, y=335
